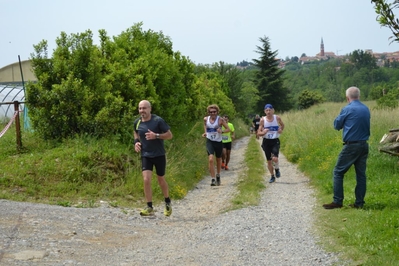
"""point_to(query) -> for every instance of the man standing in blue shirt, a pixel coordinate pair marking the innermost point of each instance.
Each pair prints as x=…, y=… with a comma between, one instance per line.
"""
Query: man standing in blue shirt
x=354, y=119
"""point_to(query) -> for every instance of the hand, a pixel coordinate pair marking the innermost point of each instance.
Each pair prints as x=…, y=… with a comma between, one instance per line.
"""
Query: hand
x=150, y=135
x=263, y=131
x=137, y=147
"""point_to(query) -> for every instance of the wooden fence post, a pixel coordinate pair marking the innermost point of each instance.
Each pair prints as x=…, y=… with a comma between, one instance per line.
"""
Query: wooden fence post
x=18, y=125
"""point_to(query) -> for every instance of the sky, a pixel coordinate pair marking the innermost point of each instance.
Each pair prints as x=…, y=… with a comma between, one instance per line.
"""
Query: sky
x=205, y=31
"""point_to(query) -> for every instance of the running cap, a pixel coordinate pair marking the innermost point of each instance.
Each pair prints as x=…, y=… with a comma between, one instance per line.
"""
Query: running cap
x=268, y=106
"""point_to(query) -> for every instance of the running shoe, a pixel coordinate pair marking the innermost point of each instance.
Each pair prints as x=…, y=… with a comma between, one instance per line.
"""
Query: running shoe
x=147, y=211
x=218, y=180
x=278, y=174
x=272, y=179
x=226, y=167
x=223, y=166
x=213, y=183
x=168, y=209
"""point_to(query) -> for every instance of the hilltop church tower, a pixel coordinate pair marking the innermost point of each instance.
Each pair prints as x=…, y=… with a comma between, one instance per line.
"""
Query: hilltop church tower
x=321, y=47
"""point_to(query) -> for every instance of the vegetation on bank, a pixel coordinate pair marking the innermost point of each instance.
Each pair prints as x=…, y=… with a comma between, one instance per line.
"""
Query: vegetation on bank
x=366, y=236
x=84, y=170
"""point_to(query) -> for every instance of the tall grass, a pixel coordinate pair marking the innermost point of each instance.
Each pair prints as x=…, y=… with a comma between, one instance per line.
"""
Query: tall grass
x=83, y=171
x=369, y=236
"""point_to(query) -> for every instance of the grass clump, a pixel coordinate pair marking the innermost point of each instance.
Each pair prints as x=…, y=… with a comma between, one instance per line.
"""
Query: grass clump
x=251, y=179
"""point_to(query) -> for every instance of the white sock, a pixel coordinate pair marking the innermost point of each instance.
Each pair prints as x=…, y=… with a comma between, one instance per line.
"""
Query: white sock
x=276, y=166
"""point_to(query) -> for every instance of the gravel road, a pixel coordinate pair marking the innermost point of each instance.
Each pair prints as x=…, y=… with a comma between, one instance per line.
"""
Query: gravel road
x=199, y=232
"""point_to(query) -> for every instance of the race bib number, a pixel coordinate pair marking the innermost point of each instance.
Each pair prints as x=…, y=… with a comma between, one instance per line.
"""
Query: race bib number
x=212, y=133
x=272, y=133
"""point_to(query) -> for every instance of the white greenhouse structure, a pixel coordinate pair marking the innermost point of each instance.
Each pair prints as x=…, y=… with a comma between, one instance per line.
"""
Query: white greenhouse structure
x=9, y=94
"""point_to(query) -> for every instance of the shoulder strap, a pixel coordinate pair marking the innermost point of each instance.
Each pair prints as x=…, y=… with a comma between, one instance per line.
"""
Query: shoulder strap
x=137, y=122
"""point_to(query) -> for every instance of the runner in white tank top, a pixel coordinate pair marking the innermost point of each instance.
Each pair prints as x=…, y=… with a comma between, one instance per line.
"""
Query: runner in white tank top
x=214, y=146
x=270, y=128
x=212, y=132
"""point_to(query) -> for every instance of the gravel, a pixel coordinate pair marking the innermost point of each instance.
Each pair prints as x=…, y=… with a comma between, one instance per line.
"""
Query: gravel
x=199, y=232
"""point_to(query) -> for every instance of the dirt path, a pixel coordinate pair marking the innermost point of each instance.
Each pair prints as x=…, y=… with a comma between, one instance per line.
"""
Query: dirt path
x=197, y=233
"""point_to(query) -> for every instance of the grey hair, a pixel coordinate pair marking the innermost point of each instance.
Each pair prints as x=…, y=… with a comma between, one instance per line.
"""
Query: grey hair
x=353, y=93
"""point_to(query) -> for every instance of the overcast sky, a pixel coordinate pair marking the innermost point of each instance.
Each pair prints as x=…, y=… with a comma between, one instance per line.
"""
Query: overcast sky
x=206, y=31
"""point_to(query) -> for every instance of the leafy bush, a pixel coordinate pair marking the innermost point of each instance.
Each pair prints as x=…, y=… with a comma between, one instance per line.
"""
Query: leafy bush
x=86, y=89
x=308, y=98
x=388, y=101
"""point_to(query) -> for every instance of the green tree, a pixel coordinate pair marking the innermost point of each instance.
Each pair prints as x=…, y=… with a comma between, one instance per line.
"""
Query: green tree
x=241, y=89
x=389, y=100
x=248, y=99
x=95, y=90
x=213, y=88
x=269, y=78
x=386, y=16
x=378, y=91
x=333, y=93
x=308, y=98
x=362, y=59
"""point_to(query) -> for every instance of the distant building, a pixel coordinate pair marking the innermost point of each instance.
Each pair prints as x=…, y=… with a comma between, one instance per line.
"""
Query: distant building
x=382, y=58
x=11, y=74
x=322, y=47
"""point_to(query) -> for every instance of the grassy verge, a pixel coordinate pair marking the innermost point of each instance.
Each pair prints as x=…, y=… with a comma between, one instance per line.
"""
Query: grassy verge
x=251, y=180
x=83, y=171
x=369, y=236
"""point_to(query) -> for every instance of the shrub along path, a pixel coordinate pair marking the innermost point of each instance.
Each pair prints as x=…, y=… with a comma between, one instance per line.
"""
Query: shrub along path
x=199, y=232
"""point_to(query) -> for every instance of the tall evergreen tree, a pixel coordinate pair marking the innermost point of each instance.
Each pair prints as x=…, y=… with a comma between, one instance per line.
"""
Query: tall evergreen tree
x=269, y=79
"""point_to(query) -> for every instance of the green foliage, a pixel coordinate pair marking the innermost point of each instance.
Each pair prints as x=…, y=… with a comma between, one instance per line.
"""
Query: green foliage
x=308, y=98
x=367, y=236
x=361, y=59
x=251, y=181
x=82, y=171
x=269, y=79
x=239, y=87
x=389, y=100
x=95, y=90
x=248, y=99
x=386, y=16
x=212, y=88
x=377, y=92
x=332, y=77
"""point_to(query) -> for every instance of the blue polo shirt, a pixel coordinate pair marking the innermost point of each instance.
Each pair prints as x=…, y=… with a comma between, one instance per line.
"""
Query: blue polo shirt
x=354, y=119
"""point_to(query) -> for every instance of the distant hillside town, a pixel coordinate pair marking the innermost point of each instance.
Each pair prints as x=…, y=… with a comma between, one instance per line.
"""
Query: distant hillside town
x=322, y=55
x=381, y=58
